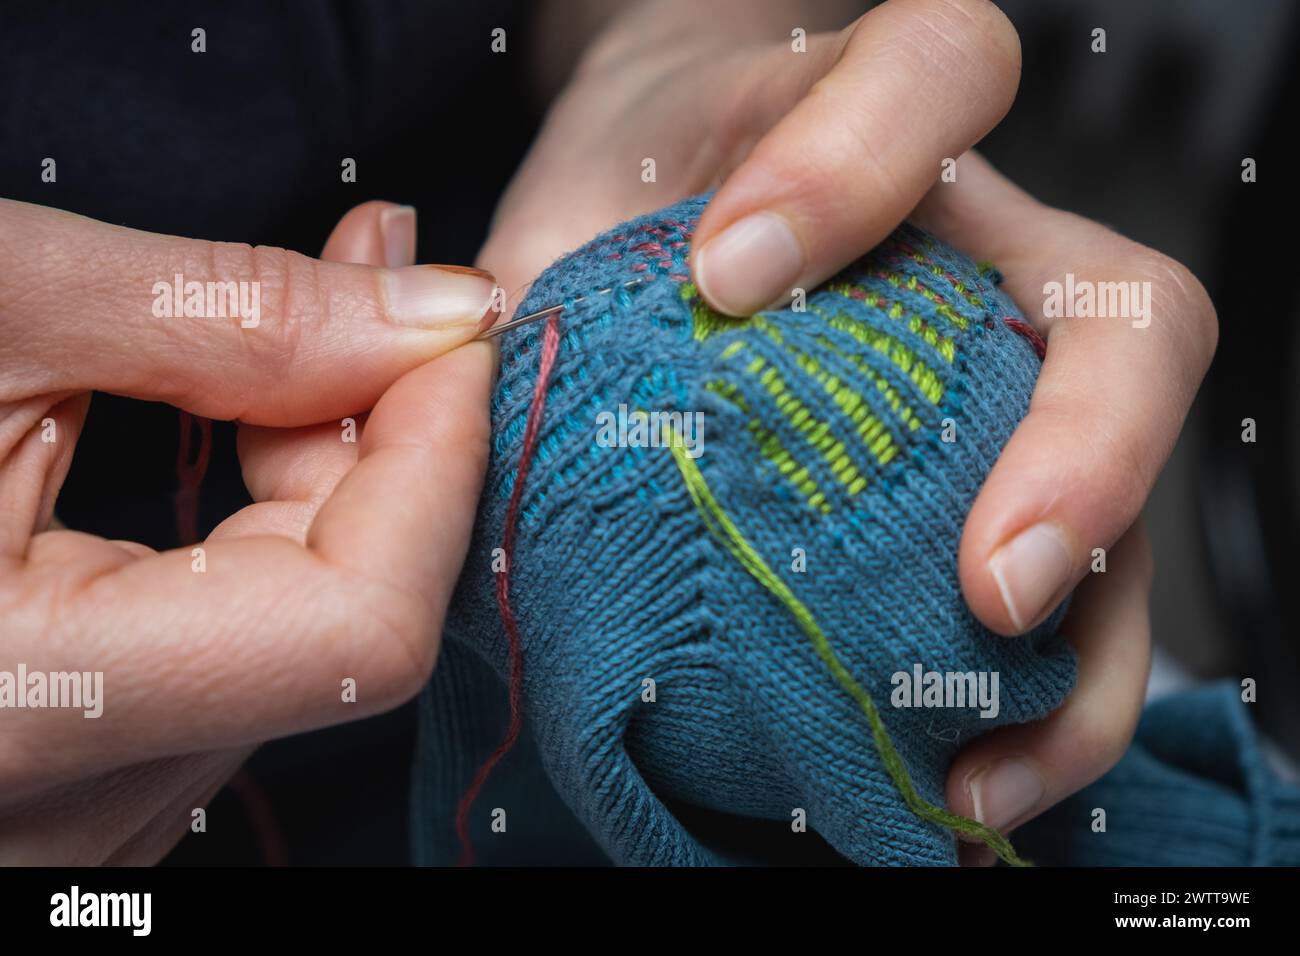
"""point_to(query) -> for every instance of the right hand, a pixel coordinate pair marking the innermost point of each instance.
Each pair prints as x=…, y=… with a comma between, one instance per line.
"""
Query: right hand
x=342, y=568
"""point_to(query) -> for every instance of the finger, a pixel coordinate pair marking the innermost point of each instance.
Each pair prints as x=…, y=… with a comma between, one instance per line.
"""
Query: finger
x=1013, y=774
x=134, y=814
x=423, y=453
x=37, y=438
x=291, y=471
x=282, y=339
x=911, y=83
x=374, y=234
x=421, y=415
x=160, y=835
x=1107, y=408
x=259, y=639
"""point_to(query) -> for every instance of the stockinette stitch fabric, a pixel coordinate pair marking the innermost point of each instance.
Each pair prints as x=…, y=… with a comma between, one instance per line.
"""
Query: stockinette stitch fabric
x=823, y=436
x=1195, y=789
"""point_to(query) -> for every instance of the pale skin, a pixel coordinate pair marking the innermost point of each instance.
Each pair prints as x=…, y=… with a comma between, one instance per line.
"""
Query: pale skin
x=321, y=577
x=318, y=580
x=842, y=143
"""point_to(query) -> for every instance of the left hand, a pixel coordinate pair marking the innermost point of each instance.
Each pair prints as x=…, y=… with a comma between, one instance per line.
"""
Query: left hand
x=819, y=156
x=795, y=132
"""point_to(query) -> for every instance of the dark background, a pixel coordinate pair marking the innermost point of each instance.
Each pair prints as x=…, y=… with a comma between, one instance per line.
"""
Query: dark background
x=244, y=142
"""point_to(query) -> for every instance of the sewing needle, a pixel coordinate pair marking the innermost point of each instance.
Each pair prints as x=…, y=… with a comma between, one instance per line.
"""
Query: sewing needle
x=519, y=320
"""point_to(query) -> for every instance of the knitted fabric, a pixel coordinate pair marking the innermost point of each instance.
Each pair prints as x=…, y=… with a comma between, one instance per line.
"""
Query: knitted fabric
x=1207, y=798
x=1179, y=798
x=846, y=441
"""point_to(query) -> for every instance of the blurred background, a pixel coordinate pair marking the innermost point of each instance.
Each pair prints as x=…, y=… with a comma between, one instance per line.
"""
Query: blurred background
x=1148, y=137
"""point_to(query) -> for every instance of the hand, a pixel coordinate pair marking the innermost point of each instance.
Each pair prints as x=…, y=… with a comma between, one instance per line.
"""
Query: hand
x=714, y=92
x=1105, y=414
x=341, y=569
x=820, y=155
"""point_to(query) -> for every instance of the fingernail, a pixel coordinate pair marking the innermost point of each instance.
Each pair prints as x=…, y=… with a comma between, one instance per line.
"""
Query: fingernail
x=750, y=264
x=397, y=229
x=1029, y=570
x=435, y=297
x=1006, y=791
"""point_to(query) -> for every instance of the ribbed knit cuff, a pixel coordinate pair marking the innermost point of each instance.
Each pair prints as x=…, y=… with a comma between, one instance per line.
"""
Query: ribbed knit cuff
x=461, y=717
x=1281, y=829
x=462, y=714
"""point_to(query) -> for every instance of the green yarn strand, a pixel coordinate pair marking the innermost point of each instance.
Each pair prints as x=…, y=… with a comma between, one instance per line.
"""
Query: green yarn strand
x=724, y=529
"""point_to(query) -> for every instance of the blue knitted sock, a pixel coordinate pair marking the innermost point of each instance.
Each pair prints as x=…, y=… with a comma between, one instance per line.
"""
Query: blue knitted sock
x=846, y=440
x=1206, y=798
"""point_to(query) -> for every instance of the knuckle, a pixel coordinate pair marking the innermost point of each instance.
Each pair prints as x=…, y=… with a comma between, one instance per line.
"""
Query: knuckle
x=1191, y=302
x=286, y=296
x=276, y=340
x=964, y=50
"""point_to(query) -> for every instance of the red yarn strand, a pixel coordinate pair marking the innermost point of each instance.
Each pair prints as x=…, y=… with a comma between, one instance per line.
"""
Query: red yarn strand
x=550, y=346
x=1029, y=332
x=261, y=817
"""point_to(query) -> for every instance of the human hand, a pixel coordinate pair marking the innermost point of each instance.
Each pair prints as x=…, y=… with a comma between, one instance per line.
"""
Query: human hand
x=1105, y=414
x=342, y=568
x=820, y=155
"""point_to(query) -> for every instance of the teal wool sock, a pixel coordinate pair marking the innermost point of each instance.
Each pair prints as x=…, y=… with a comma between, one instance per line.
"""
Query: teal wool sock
x=735, y=542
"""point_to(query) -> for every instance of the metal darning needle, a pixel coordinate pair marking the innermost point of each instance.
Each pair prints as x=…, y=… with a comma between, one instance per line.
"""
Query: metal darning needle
x=519, y=320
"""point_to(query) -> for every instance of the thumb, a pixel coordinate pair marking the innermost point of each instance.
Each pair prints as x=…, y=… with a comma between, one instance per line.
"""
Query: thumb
x=222, y=330
x=876, y=111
